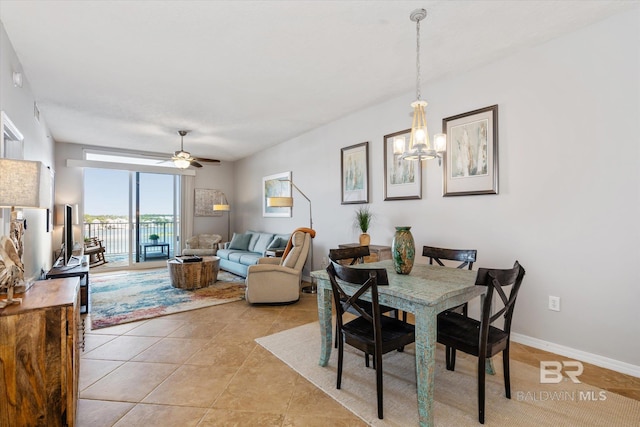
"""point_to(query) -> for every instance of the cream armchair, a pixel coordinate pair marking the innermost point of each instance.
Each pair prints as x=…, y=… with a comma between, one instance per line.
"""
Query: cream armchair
x=202, y=245
x=277, y=280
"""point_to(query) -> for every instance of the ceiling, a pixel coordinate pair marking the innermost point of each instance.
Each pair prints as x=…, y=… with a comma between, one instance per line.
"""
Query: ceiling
x=246, y=75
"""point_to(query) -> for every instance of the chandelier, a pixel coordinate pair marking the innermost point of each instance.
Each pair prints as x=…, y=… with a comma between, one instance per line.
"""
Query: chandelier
x=420, y=147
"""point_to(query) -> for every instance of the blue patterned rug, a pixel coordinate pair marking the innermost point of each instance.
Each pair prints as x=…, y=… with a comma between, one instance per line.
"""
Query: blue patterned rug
x=136, y=295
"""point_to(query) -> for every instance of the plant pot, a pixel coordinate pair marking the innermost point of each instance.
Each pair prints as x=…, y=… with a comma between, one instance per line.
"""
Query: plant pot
x=364, y=239
x=403, y=250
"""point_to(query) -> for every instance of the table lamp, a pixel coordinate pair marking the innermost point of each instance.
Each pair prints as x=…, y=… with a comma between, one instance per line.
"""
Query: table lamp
x=23, y=184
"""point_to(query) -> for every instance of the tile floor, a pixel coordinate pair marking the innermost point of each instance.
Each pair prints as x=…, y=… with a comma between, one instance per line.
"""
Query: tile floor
x=203, y=368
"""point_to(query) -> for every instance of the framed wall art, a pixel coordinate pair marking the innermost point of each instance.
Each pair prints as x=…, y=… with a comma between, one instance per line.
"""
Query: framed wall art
x=471, y=160
x=354, y=182
x=204, y=200
x=402, y=178
x=275, y=186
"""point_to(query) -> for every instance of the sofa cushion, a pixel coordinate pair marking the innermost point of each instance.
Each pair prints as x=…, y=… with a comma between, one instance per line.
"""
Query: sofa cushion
x=249, y=259
x=240, y=241
x=236, y=255
x=263, y=242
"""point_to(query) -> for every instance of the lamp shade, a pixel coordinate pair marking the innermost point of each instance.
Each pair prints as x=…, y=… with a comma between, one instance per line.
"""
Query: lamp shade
x=24, y=184
x=279, y=202
x=221, y=207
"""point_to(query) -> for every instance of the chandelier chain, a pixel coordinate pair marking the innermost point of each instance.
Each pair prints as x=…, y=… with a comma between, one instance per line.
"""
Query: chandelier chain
x=418, y=60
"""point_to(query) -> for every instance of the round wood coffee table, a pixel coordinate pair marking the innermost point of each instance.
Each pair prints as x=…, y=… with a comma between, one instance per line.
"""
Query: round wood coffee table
x=194, y=275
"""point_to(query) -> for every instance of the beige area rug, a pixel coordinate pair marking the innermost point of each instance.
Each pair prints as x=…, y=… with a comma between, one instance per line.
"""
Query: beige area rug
x=531, y=404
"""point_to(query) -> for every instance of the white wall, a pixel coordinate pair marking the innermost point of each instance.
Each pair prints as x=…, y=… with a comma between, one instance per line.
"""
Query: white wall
x=18, y=104
x=569, y=197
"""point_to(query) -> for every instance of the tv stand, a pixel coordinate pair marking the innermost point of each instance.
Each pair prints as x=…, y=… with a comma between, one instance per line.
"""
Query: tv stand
x=78, y=269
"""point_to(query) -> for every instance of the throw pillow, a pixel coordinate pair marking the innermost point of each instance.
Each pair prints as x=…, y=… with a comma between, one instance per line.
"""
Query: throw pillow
x=240, y=241
x=261, y=244
x=277, y=243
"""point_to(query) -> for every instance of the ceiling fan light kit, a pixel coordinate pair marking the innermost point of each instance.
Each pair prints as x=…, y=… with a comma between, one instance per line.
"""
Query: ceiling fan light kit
x=182, y=159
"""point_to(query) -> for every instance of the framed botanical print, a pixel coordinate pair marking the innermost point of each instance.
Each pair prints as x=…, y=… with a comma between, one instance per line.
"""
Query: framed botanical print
x=471, y=160
x=402, y=178
x=276, y=185
x=354, y=175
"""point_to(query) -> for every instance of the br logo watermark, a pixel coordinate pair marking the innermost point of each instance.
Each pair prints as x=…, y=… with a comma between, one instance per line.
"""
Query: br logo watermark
x=554, y=372
x=551, y=371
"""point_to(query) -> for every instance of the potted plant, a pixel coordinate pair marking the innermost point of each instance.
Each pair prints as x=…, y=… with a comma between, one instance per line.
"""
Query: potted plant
x=154, y=238
x=363, y=222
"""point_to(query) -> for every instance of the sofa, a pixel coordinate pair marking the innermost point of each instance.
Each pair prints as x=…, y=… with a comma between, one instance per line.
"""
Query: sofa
x=247, y=248
x=202, y=245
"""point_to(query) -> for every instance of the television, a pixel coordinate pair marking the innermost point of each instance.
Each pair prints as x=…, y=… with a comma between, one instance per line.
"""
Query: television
x=67, y=258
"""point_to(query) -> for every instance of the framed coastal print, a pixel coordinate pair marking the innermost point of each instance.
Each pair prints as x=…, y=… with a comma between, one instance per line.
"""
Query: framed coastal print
x=276, y=185
x=354, y=174
x=471, y=161
x=402, y=178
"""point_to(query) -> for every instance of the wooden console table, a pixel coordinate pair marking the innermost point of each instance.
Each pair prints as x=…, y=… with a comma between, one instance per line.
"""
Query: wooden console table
x=39, y=356
x=378, y=253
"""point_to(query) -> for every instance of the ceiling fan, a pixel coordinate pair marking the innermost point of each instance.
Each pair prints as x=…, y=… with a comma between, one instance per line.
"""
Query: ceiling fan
x=183, y=159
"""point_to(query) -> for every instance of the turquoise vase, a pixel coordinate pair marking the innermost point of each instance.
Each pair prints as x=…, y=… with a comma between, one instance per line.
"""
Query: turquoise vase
x=404, y=250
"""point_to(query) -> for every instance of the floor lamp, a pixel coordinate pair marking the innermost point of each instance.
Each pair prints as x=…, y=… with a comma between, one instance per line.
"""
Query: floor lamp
x=221, y=205
x=287, y=202
x=23, y=184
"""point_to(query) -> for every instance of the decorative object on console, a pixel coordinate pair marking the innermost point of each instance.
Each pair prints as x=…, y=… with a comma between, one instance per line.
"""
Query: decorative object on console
x=403, y=250
x=23, y=184
x=471, y=167
x=402, y=179
x=222, y=205
x=419, y=144
x=355, y=174
x=363, y=219
x=288, y=202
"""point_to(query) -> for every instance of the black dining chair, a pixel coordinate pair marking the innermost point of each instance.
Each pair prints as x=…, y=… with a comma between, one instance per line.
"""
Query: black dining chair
x=351, y=256
x=481, y=338
x=466, y=256
x=370, y=332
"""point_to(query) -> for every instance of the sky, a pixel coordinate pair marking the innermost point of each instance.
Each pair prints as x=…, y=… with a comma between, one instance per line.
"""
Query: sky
x=106, y=192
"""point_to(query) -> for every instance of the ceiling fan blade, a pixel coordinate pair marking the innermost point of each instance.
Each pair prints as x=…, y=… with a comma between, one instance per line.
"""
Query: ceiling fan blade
x=195, y=164
x=202, y=159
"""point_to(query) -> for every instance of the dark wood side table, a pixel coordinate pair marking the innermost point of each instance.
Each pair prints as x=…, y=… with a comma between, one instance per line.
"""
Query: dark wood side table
x=274, y=253
x=378, y=253
x=81, y=271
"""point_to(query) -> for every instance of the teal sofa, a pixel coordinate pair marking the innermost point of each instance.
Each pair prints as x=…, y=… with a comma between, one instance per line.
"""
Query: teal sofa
x=245, y=249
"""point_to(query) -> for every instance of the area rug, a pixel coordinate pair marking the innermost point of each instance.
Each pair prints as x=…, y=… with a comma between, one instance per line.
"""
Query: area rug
x=136, y=295
x=531, y=403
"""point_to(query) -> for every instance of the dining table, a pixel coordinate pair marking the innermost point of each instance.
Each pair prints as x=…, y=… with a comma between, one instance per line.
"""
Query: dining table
x=426, y=291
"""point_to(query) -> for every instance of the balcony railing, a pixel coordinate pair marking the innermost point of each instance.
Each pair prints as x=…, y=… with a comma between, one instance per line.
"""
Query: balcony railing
x=115, y=235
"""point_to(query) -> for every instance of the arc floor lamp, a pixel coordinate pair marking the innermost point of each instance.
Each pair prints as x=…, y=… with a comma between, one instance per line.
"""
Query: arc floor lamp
x=287, y=202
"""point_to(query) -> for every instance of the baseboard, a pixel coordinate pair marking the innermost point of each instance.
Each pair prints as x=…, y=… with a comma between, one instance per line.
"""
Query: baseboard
x=583, y=356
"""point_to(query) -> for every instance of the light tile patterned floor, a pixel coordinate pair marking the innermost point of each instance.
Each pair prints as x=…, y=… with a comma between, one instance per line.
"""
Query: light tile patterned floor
x=203, y=368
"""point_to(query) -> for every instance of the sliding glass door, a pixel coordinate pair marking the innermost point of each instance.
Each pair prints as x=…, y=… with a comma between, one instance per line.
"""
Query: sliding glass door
x=134, y=214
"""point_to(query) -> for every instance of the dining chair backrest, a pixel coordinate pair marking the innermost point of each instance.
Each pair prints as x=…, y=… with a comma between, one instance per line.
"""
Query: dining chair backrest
x=356, y=254
x=495, y=280
x=466, y=256
x=367, y=279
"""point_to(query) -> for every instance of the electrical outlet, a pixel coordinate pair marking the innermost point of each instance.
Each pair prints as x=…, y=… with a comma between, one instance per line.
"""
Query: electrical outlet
x=554, y=303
